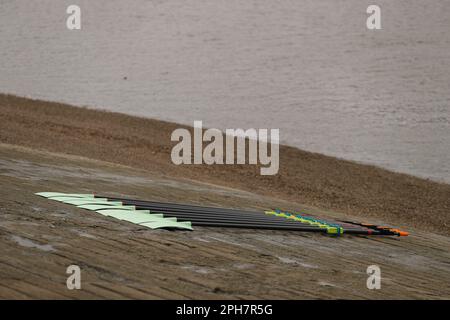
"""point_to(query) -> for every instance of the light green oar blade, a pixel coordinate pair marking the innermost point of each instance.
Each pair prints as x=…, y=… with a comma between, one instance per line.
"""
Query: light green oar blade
x=62, y=199
x=115, y=209
x=95, y=207
x=81, y=202
x=117, y=213
x=141, y=218
x=60, y=194
x=164, y=224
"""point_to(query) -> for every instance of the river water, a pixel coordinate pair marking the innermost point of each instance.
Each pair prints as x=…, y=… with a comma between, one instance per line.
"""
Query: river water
x=309, y=68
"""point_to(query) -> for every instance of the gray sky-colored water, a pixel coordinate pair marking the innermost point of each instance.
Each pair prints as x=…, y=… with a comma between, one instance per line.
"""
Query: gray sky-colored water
x=309, y=68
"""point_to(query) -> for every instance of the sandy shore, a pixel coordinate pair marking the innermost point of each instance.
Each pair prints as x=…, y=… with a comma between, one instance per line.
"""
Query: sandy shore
x=305, y=178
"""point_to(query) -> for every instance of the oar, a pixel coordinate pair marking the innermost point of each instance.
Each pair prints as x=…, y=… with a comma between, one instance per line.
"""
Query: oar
x=216, y=216
x=382, y=229
x=180, y=206
x=260, y=216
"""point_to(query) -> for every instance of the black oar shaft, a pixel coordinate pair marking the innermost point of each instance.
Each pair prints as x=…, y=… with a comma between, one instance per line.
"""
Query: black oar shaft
x=257, y=226
x=195, y=218
x=176, y=207
x=179, y=206
x=234, y=218
x=209, y=211
x=210, y=217
x=260, y=216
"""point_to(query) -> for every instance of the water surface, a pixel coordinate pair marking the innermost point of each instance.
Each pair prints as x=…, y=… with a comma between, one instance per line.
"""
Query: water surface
x=310, y=68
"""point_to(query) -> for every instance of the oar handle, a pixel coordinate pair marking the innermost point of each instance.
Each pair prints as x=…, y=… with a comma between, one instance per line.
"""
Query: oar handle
x=383, y=229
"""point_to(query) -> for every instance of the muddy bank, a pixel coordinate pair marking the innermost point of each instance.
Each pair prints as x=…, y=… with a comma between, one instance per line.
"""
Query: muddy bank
x=39, y=239
x=307, y=178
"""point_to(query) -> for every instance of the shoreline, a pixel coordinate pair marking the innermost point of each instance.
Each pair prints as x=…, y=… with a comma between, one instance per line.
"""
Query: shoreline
x=307, y=178
x=185, y=125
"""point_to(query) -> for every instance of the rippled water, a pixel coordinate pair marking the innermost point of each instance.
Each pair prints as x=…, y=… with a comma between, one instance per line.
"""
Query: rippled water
x=310, y=68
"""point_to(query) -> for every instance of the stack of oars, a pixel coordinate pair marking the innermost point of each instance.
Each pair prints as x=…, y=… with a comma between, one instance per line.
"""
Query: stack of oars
x=232, y=218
